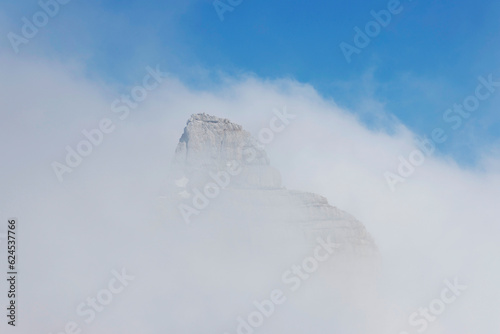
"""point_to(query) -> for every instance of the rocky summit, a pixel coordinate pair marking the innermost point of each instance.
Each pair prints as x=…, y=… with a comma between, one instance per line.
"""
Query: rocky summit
x=210, y=144
x=218, y=165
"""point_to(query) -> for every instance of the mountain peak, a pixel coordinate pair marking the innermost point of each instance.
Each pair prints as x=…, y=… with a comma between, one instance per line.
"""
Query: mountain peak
x=210, y=144
x=203, y=117
x=210, y=147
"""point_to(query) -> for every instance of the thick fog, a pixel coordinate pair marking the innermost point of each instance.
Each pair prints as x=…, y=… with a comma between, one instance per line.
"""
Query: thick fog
x=102, y=230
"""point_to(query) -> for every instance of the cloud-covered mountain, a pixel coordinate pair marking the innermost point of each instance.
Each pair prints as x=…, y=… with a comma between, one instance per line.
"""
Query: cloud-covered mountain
x=220, y=169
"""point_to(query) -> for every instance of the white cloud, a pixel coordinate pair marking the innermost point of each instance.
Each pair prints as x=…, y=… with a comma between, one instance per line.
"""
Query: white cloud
x=440, y=224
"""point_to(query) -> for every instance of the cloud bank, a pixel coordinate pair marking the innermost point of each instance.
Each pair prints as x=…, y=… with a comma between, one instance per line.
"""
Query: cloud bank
x=439, y=224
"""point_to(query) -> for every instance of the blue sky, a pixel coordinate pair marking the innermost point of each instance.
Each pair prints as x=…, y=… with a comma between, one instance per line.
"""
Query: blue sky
x=427, y=58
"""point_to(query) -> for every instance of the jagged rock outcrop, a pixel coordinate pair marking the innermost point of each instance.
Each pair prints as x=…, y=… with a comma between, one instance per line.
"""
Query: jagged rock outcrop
x=210, y=144
x=216, y=153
